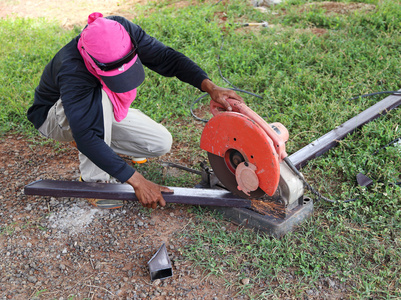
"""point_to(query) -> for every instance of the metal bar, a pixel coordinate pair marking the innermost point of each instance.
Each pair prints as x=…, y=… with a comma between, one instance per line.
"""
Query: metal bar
x=77, y=189
x=331, y=139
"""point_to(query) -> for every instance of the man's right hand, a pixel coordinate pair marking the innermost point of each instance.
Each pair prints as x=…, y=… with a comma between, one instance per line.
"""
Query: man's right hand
x=148, y=193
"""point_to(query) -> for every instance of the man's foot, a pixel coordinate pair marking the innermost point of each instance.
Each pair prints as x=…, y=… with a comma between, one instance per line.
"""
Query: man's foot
x=139, y=160
x=104, y=203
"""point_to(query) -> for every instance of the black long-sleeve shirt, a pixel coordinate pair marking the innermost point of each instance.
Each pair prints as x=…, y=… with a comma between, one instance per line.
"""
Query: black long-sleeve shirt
x=67, y=78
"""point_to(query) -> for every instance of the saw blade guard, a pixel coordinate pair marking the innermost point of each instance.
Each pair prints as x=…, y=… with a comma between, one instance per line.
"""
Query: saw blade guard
x=276, y=131
x=233, y=139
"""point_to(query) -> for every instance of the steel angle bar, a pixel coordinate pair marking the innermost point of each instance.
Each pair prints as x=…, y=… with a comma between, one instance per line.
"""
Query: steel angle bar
x=331, y=139
x=77, y=189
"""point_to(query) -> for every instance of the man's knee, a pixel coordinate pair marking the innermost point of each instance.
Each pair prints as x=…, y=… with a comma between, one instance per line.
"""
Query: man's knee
x=164, y=145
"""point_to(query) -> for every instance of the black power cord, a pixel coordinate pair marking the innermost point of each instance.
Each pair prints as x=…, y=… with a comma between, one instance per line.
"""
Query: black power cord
x=320, y=197
x=395, y=93
x=308, y=186
x=233, y=87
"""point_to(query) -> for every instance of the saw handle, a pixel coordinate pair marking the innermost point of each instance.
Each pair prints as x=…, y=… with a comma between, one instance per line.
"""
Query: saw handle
x=276, y=131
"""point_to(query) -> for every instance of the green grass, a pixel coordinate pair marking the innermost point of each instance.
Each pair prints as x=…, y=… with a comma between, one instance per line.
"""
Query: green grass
x=27, y=46
x=306, y=80
x=327, y=247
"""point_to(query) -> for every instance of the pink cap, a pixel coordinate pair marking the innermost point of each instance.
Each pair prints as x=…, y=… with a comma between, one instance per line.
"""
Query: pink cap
x=107, y=41
x=104, y=39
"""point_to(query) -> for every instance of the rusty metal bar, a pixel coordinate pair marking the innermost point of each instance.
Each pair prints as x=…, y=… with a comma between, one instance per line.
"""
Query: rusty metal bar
x=331, y=139
x=77, y=189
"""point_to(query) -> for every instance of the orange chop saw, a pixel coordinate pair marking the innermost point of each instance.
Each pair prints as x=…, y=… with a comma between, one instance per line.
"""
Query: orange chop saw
x=247, y=155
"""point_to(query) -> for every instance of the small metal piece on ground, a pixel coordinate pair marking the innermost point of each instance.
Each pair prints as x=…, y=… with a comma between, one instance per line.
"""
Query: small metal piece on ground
x=160, y=265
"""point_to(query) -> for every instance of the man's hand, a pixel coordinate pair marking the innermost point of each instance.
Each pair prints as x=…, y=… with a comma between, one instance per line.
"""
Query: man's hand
x=147, y=192
x=219, y=94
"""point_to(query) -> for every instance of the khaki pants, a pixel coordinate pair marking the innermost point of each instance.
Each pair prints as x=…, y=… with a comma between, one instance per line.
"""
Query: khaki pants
x=137, y=136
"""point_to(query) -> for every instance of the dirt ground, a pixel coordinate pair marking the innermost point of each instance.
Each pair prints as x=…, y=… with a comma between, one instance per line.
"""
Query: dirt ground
x=62, y=248
x=75, y=12
x=57, y=248
x=67, y=12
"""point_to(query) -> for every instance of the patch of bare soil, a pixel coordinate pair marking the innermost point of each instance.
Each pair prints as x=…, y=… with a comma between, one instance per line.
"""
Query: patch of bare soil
x=55, y=248
x=68, y=12
x=335, y=8
x=339, y=7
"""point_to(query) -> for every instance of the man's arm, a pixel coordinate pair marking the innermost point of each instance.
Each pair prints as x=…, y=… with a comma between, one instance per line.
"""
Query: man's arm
x=163, y=59
x=169, y=62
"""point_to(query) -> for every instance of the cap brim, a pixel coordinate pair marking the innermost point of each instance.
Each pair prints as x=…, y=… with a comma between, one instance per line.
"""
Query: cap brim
x=121, y=81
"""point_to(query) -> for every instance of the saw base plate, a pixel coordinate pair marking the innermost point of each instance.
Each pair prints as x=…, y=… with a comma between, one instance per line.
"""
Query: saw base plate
x=271, y=224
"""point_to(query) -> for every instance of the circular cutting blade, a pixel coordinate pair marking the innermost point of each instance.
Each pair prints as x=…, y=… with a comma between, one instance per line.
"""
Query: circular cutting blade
x=225, y=172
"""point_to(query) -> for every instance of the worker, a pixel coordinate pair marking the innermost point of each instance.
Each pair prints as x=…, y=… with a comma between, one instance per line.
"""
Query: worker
x=85, y=95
